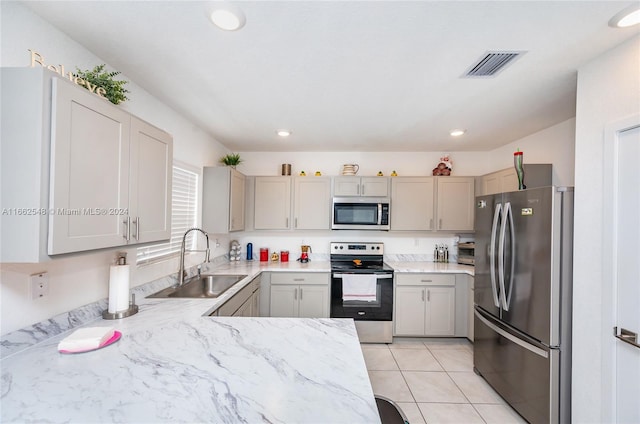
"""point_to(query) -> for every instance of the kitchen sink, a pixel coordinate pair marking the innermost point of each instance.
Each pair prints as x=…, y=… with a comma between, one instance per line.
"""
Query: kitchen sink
x=208, y=285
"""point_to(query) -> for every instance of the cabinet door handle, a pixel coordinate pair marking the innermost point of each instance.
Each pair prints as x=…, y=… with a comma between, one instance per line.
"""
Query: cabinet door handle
x=428, y=295
x=440, y=224
x=287, y=222
x=431, y=224
x=358, y=189
x=295, y=223
x=137, y=222
x=298, y=279
x=300, y=293
x=626, y=336
x=363, y=189
x=127, y=225
x=426, y=281
x=422, y=292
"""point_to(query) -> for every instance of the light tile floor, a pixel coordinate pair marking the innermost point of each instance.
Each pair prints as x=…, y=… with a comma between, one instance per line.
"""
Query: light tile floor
x=432, y=380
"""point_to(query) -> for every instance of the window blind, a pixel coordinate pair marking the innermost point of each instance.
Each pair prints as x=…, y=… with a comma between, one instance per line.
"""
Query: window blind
x=184, y=208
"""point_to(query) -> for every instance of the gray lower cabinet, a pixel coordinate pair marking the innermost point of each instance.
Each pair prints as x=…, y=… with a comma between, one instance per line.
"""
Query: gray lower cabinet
x=245, y=303
x=297, y=294
x=425, y=305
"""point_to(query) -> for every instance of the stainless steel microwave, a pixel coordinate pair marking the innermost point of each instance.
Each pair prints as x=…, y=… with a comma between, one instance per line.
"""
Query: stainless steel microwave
x=360, y=213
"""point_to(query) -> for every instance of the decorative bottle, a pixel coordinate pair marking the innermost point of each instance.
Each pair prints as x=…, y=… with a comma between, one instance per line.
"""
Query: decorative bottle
x=517, y=163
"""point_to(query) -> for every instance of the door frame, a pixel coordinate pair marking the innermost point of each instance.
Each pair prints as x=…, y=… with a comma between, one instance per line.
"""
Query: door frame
x=612, y=133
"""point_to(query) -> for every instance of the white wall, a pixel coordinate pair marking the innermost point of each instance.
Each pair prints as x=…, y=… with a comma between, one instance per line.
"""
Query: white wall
x=554, y=145
x=330, y=163
x=608, y=90
x=83, y=278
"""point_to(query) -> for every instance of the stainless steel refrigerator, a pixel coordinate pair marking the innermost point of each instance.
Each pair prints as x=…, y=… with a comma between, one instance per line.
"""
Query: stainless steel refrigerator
x=522, y=318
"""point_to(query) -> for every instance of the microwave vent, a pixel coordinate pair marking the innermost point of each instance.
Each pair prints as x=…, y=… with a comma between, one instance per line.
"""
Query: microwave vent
x=492, y=63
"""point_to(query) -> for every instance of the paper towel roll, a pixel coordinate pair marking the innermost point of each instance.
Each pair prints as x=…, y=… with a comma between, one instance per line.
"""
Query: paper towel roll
x=118, y=288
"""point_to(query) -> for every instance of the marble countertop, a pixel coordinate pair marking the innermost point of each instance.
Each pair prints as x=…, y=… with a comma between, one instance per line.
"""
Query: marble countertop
x=174, y=363
x=172, y=368
x=425, y=266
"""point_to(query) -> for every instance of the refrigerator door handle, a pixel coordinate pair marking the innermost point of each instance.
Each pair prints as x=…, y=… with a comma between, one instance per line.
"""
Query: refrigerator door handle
x=531, y=348
x=507, y=221
x=492, y=253
x=512, y=257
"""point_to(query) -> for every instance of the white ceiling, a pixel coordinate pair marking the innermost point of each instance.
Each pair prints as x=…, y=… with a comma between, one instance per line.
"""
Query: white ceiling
x=351, y=76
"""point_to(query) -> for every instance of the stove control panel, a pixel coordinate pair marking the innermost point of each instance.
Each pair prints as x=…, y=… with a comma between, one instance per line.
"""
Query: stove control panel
x=357, y=248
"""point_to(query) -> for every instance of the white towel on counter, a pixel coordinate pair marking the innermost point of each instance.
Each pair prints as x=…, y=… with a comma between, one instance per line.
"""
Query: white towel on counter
x=359, y=287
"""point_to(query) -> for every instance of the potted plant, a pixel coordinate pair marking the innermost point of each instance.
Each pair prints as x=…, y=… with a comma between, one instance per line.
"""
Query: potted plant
x=232, y=159
x=115, y=91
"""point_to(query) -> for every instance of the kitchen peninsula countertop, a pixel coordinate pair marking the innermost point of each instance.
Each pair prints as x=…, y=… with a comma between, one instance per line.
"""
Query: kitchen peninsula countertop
x=174, y=363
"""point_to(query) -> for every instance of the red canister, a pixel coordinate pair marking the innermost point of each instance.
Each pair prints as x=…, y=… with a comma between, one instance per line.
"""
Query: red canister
x=264, y=254
x=284, y=256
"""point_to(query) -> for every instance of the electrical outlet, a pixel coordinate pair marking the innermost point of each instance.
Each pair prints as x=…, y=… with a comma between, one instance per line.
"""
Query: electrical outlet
x=39, y=285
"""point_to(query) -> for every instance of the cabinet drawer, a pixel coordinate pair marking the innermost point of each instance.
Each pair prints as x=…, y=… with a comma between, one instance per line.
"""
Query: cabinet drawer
x=299, y=278
x=408, y=279
x=233, y=304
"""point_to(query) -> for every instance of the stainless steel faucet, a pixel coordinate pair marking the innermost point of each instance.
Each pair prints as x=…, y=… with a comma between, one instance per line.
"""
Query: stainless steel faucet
x=181, y=271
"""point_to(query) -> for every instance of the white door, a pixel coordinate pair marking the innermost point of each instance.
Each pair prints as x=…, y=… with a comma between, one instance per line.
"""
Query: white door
x=622, y=184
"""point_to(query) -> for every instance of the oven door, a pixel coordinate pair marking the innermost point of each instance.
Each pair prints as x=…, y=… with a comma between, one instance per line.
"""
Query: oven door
x=380, y=309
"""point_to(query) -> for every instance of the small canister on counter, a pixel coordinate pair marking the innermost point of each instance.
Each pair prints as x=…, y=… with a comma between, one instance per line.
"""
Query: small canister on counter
x=264, y=254
x=249, y=251
x=284, y=256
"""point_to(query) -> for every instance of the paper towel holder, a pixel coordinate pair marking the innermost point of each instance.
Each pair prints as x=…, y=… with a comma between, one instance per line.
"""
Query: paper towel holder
x=132, y=310
x=121, y=259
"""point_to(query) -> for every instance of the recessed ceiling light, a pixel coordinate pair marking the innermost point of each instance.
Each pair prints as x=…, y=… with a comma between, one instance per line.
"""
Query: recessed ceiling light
x=457, y=133
x=283, y=133
x=627, y=17
x=227, y=17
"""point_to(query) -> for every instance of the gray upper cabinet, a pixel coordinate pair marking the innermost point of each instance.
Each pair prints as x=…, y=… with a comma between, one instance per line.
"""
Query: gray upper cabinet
x=312, y=203
x=87, y=174
x=25, y=151
x=272, y=203
x=223, y=203
x=412, y=203
x=506, y=180
x=111, y=164
x=455, y=203
x=150, y=182
x=361, y=186
x=432, y=203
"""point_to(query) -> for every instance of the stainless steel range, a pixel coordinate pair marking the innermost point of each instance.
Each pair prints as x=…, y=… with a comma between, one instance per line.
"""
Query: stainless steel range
x=362, y=289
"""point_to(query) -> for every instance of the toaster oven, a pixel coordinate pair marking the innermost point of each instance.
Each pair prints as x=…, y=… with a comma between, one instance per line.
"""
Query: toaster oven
x=466, y=253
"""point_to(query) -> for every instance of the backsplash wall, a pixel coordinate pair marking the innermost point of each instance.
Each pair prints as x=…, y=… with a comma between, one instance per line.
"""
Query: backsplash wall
x=413, y=246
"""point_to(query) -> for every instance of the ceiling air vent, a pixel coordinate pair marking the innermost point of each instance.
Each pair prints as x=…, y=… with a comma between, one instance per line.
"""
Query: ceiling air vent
x=492, y=63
